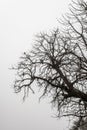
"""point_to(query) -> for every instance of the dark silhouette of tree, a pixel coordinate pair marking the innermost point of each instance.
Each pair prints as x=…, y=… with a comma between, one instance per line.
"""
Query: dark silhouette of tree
x=57, y=64
x=79, y=124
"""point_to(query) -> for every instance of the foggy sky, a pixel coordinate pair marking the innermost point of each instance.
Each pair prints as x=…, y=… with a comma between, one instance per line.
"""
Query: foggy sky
x=20, y=20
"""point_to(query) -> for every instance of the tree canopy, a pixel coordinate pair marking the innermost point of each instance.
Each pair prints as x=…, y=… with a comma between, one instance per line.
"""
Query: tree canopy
x=57, y=64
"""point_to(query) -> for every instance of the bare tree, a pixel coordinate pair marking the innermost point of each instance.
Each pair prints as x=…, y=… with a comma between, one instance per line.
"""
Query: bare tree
x=79, y=124
x=58, y=64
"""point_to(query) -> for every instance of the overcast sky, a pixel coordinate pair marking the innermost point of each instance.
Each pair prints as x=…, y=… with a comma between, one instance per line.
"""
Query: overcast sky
x=20, y=20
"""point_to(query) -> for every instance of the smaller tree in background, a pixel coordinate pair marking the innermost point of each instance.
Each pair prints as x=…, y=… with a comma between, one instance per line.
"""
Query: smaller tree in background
x=58, y=65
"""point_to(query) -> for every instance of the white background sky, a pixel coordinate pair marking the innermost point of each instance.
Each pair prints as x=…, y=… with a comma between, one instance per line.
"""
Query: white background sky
x=20, y=20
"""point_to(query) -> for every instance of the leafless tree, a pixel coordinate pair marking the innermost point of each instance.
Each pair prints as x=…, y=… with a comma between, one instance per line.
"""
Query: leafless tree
x=58, y=64
x=79, y=124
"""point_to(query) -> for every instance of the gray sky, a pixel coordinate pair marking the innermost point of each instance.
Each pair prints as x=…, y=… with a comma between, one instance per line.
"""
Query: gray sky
x=19, y=21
